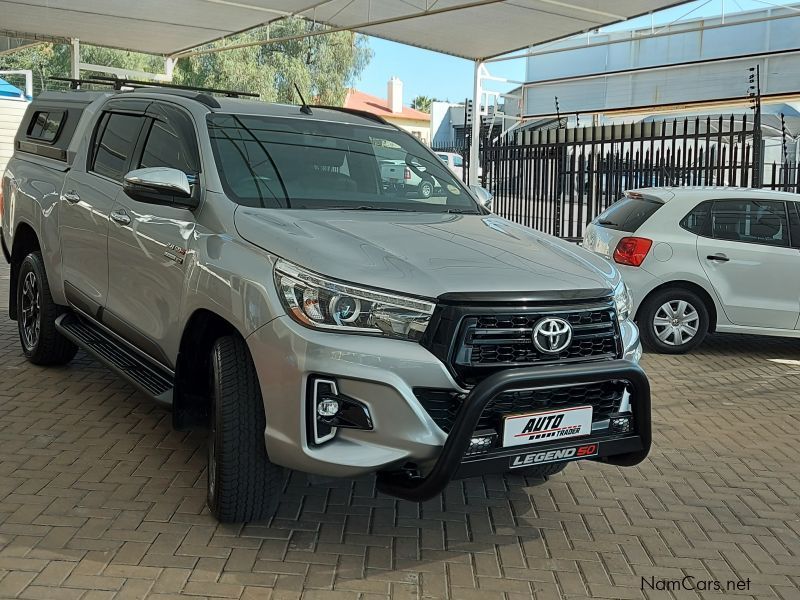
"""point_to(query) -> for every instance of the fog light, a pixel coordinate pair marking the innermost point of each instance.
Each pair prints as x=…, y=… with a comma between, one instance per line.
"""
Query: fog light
x=328, y=407
x=329, y=410
x=621, y=424
x=482, y=441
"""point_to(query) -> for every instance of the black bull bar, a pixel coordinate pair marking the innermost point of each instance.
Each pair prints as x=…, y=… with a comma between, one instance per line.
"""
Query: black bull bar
x=407, y=487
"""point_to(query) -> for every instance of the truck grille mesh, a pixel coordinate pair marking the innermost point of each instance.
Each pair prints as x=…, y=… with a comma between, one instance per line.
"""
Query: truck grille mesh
x=475, y=342
x=508, y=338
x=443, y=405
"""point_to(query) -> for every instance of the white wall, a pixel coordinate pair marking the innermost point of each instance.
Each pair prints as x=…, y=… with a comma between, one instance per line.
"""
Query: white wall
x=692, y=83
x=11, y=112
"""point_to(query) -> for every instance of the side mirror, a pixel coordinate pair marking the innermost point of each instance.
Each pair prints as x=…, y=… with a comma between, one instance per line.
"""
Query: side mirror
x=483, y=195
x=160, y=185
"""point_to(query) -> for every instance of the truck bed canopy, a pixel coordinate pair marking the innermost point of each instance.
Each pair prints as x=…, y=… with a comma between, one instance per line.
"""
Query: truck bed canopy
x=472, y=29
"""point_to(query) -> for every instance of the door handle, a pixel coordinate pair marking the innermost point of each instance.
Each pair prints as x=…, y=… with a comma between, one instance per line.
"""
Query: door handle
x=718, y=257
x=121, y=217
x=71, y=196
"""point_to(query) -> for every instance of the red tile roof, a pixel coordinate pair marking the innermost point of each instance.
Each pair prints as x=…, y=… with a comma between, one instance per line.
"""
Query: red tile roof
x=379, y=106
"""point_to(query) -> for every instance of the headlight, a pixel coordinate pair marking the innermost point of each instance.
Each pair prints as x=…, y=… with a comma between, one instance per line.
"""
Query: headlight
x=623, y=301
x=320, y=303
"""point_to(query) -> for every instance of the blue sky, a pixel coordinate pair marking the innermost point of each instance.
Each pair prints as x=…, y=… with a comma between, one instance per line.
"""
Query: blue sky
x=448, y=78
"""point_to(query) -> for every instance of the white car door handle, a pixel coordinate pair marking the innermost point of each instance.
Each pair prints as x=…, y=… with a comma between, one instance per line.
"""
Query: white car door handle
x=718, y=257
x=121, y=217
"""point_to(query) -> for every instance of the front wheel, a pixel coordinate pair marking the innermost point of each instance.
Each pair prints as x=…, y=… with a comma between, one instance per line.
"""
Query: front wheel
x=243, y=485
x=426, y=189
x=673, y=321
x=41, y=342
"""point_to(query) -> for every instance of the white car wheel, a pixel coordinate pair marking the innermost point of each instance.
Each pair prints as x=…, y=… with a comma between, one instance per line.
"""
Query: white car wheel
x=673, y=321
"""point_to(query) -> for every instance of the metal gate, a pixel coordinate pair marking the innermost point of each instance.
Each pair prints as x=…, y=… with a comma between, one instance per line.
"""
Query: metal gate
x=557, y=180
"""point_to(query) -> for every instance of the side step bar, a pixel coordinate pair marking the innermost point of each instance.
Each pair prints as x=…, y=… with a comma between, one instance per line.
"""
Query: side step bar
x=147, y=376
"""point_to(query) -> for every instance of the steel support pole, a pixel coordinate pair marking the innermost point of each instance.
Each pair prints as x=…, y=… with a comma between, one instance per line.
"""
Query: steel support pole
x=475, y=133
x=75, y=58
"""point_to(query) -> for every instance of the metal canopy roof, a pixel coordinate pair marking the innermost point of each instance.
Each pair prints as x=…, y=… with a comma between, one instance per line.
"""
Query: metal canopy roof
x=473, y=29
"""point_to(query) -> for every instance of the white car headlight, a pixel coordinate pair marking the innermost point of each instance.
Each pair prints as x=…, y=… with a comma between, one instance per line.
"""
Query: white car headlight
x=623, y=301
x=321, y=303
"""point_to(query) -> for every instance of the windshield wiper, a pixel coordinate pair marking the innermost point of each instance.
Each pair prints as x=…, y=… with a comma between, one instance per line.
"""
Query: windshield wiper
x=366, y=207
x=607, y=222
x=458, y=211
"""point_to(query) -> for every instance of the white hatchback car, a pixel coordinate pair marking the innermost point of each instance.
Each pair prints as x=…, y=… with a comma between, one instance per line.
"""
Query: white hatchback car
x=699, y=260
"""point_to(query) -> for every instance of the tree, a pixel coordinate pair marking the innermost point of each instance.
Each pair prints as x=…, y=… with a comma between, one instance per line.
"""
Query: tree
x=52, y=60
x=423, y=103
x=323, y=66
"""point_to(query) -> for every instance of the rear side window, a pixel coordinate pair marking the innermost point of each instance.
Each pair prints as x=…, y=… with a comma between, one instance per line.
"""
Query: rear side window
x=794, y=222
x=751, y=221
x=45, y=125
x=628, y=214
x=114, y=144
x=698, y=221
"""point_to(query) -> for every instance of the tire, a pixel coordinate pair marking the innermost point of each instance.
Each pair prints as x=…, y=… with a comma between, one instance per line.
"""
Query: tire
x=426, y=189
x=243, y=485
x=656, y=330
x=544, y=471
x=41, y=342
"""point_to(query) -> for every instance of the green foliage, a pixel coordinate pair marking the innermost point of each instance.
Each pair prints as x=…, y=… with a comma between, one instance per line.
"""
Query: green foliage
x=423, y=103
x=52, y=60
x=323, y=66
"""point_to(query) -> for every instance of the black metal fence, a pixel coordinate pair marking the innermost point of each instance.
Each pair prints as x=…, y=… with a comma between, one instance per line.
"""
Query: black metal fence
x=557, y=180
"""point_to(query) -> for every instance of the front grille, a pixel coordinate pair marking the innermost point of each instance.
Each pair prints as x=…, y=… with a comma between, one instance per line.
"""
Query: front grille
x=443, y=405
x=476, y=342
x=508, y=338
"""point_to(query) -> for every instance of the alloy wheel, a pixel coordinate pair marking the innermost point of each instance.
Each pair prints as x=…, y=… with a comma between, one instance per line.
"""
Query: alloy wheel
x=676, y=322
x=31, y=313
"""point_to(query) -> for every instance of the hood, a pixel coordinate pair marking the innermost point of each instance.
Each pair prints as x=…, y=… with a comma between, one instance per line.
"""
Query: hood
x=425, y=254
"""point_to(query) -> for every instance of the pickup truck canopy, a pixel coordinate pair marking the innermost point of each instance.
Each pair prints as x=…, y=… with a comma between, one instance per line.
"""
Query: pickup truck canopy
x=472, y=29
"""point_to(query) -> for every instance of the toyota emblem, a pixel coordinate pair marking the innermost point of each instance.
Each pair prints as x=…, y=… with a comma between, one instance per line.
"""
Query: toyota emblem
x=551, y=335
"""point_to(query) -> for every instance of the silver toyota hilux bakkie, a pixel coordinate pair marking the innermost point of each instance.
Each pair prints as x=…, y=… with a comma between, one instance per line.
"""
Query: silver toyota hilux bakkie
x=247, y=265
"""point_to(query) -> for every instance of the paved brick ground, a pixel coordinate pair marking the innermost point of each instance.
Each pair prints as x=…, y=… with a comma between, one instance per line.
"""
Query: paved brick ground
x=100, y=499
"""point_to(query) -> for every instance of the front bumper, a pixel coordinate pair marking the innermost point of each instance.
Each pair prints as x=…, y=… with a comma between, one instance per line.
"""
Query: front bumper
x=621, y=450
x=382, y=374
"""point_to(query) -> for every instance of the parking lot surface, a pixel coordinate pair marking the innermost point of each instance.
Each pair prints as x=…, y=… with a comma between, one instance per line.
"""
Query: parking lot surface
x=100, y=499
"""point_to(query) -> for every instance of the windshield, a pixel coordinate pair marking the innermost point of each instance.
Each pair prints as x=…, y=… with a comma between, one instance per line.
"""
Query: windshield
x=266, y=162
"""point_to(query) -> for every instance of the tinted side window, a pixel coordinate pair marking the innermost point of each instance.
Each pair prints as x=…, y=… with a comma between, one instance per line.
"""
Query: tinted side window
x=698, y=220
x=45, y=125
x=171, y=146
x=115, y=144
x=628, y=214
x=794, y=222
x=751, y=221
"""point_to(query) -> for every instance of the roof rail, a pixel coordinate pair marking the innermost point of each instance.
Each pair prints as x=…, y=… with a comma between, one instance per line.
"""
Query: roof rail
x=75, y=84
x=120, y=83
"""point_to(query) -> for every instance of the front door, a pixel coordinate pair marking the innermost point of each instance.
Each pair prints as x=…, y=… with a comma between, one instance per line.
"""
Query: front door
x=85, y=205
x=751, y=264
x=148, y=244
